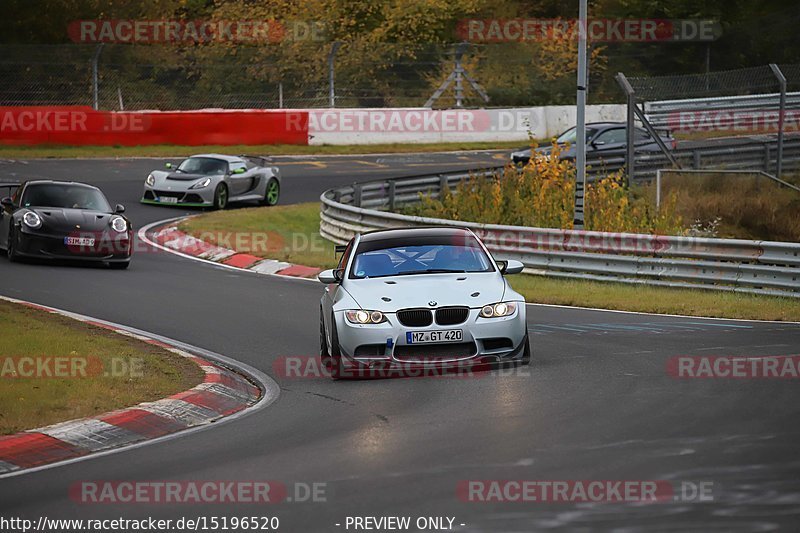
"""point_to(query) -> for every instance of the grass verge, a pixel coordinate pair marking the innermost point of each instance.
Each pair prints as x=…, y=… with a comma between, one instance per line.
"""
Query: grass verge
x=59, y=151
x=293, y=233
x=78, y=370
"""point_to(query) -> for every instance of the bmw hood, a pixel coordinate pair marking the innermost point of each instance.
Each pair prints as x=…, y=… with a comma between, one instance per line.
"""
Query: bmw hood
x=70, y=219
x=470, y=289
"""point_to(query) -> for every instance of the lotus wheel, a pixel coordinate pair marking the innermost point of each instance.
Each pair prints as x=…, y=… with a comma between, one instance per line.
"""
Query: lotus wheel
x=221, y=196
x=272, y=193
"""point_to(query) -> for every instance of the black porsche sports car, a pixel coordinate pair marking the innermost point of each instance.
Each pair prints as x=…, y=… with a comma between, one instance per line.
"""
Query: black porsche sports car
x=64, y=220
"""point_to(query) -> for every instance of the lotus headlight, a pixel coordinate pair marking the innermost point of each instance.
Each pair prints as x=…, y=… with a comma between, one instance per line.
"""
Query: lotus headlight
x=361, y=316
x=499, y=309
x=119, y=224
x=151, y=180
x=201, y=184
x=32, y=220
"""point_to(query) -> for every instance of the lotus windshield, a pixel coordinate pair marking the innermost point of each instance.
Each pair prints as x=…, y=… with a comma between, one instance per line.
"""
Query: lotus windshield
x=64, y=196
x=381, y=258
x=203, y=165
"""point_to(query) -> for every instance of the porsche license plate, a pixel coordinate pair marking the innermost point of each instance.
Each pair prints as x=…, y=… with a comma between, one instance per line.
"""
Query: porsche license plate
x=168, y=199
x=427, y=337
x=79, y=241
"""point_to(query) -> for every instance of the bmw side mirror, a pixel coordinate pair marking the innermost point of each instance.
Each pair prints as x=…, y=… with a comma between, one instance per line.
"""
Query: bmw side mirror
x=119, y=209
x=168, y=165
x=510, y=266
x=329, y=276
x=7, y=202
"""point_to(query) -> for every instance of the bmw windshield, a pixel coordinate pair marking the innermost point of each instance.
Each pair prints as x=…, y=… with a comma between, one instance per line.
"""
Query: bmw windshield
x=427, y=255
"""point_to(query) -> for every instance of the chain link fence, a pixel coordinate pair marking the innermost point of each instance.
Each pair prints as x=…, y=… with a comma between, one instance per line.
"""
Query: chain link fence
x=134, y=77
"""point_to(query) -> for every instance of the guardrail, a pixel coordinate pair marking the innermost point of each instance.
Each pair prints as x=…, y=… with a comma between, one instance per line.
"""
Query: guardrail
x=748, y=153
x=761, y=267
x=660, y=113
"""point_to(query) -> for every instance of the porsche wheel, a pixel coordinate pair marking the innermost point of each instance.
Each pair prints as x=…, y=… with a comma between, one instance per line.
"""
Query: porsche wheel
x=11, y=247
x=221, y=197
x=272, y=192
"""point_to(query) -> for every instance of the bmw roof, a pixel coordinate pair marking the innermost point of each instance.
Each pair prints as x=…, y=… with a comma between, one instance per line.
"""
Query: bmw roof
x=401, y=233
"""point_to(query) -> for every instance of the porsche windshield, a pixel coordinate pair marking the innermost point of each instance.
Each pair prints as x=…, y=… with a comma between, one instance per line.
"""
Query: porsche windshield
x=203, y=165
x=64, y=196
x=439, y=255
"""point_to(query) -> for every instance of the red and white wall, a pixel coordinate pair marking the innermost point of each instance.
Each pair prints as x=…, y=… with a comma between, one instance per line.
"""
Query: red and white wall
x=80, y=125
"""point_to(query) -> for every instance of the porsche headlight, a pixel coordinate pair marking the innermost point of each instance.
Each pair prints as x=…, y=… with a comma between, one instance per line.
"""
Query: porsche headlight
x=32, y=220
x=362, y=316
x=201, y=184
x=499, y=309
x=151, y=180
x=119, y=224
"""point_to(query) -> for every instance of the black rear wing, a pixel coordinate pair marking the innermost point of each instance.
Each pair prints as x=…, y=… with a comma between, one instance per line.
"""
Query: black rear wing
x=260, y=160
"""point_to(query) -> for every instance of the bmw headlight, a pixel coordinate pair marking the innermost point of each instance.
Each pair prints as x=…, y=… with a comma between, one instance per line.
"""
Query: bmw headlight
x=151, y=180
x=119, y=224
x=200, y=184
x=498, y=310
x=32, y=220
x=362, y=316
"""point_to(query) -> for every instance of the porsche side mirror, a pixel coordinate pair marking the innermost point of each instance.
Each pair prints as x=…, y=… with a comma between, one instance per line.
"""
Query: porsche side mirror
x=168, y=165
x=329, y=276
x=119, y=209
x=510, y=266
x=7, y=202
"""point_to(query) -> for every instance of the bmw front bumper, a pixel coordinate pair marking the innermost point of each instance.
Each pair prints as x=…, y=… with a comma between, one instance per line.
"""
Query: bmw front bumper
x=484, y=340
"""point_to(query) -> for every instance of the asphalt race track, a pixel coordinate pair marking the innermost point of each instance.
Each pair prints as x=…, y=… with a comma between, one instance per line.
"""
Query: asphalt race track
x=596, y=404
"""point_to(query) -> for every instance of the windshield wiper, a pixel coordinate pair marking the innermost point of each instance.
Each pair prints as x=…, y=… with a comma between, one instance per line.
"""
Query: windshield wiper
x=435, y=271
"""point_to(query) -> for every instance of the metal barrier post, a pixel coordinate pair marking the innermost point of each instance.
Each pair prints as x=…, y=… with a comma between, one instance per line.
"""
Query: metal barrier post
x=331, y=56
x=95, y=82
x=631, y=101
x=658, y=188
x=392, y=192
x=781, y=114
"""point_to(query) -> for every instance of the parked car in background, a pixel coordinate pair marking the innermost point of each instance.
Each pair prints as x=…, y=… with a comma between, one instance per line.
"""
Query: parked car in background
x=603, y=139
